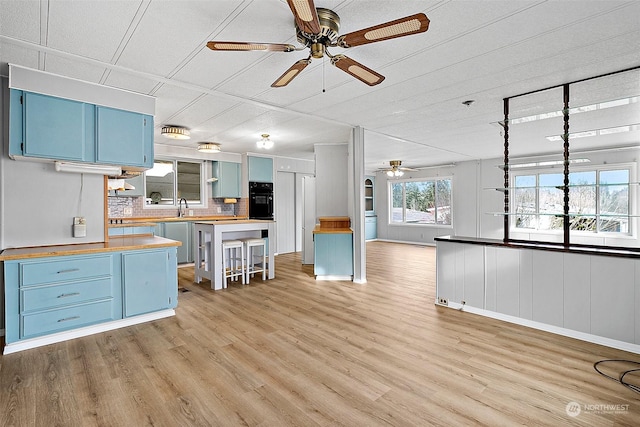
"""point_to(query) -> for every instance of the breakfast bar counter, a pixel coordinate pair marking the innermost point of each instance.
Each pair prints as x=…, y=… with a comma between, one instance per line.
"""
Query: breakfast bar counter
x=208, y=236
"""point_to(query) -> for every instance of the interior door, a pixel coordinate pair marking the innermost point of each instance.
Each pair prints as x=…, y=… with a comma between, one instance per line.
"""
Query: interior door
x=285, y=211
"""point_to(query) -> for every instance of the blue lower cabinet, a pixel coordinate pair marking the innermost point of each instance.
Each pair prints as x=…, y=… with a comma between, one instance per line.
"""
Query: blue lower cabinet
x=60, y=293
x=150, y=281
x=333, y=254
x=370, y=227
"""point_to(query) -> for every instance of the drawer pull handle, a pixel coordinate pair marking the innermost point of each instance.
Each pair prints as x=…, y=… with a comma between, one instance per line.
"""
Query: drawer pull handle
x=66, y=319
x=72, y=294
x=71, y=270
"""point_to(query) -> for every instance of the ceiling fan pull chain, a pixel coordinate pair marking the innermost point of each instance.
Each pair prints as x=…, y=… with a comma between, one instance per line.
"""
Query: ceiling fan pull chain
x=323, y=82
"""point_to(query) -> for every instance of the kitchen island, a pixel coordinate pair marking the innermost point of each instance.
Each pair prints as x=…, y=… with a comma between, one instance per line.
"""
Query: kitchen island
x=208, y=236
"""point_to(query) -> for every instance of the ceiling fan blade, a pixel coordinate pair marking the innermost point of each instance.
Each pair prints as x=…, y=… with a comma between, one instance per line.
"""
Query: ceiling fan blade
x=247, y=46
x=357, y=70
x=291, y=73
x=406, y=26
x=304, y=12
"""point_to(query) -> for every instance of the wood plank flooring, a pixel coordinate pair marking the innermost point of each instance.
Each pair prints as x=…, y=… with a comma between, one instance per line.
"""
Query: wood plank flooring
x=293, y=351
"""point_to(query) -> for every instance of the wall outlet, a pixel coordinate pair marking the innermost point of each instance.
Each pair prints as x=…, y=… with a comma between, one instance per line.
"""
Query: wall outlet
x=79, y=226
x=190, y=212
x=128, y=211
x=443, y=301
x=219, y=209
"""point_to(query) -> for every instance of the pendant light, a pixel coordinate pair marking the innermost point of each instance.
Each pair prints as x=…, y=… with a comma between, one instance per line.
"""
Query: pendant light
x=265, y=142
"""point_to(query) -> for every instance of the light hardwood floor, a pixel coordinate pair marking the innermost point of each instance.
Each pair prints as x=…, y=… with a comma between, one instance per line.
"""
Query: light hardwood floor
x=293, y=351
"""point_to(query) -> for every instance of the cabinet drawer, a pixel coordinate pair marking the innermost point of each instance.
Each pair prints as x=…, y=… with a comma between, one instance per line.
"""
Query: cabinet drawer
x=67, y=269
x=66, y=318
x=39, y=298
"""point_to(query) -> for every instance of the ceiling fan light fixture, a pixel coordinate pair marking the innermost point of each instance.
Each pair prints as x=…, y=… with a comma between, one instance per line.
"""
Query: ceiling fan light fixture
x=265, y=142
x=175, y=132
x=208, y=147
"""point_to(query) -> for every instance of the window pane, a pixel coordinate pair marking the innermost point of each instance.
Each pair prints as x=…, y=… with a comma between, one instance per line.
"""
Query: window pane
x=420, y=202
x=443, y=202
x=614, y=201
x=159, y=180
x=551, y=201
x=524, y=196
x=189, y=182
x=396, y=203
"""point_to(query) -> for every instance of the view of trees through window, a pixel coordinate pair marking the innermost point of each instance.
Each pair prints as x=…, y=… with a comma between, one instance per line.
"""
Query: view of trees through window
x=421, y=202
x=598, y=201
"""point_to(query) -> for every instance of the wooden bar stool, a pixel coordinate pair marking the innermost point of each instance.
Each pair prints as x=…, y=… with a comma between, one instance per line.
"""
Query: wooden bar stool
x=235, y=261
x=256, y=262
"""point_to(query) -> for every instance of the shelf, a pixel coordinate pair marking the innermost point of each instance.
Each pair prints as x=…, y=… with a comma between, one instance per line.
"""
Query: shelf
x=571, y=214
x=560, y=187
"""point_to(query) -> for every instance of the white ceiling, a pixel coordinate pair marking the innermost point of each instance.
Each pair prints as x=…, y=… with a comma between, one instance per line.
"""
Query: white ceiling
x=474, y=50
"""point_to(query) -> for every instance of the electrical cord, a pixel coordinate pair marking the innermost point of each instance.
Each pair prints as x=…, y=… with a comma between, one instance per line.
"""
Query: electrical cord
x=620, y=380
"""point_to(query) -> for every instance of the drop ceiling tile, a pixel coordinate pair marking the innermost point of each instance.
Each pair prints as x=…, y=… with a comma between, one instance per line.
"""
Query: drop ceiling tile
x=134, y=83
x=93, y=29
x=21, y=20
x=72, y=68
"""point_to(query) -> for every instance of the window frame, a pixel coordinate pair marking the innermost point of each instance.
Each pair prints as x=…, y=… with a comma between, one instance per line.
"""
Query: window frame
x=404, y=222
x=176, y=200
x=598, y=169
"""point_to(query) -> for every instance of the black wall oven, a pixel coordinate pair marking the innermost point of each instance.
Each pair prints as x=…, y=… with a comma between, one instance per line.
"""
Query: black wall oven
x=261, y=200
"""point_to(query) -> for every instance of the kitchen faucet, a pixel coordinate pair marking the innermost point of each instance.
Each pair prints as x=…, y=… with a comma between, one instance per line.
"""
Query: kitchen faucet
x=186, y=206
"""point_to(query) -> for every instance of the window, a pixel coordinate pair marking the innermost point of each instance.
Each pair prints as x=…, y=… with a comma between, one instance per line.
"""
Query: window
x=170, y=180
x=598, y=201
x=420, y=202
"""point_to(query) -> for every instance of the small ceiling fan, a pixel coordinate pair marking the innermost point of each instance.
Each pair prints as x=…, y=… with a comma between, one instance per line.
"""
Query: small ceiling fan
x=317, y=29
x=396, y=168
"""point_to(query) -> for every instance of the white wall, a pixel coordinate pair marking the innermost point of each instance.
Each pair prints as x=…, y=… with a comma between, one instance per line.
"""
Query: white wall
x=38, y=204
x=331, y=179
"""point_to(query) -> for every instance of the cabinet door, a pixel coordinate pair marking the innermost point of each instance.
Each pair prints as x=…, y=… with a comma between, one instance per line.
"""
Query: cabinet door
x=121, y=137
x=260, y=169
x=333, y=254
x=228, y=183
x=55, y=128
x=370, y=227
x=146, y=282
x=179, y=231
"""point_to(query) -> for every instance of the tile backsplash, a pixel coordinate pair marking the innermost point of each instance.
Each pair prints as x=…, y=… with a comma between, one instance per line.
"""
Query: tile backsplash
x=134, y=207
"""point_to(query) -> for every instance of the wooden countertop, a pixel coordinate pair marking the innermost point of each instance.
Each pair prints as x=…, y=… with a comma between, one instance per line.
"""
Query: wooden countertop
x=237, y=221
x=320, y=230
x=178, y=219
x=132, y=224
x=115, y=244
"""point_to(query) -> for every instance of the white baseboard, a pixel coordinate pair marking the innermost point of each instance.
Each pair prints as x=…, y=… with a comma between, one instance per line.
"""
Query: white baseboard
x=595, y=339
x=407, y=242
x=337, y=278
x=87, y=330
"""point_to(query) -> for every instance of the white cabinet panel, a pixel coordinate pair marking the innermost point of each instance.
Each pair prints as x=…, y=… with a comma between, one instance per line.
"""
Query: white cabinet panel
x=458, y=291
x=445, y=269
x=507, y=281
x=490, y=278
x=577, y=292
x=637, y=308
x=473, y=295
x=547, y=287
x=612, y=308
x=526, y=284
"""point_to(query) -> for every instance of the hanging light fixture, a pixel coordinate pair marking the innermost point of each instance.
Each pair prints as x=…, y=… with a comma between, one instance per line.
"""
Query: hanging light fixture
x=175, y=132
x=209, y=147
x=265, y=142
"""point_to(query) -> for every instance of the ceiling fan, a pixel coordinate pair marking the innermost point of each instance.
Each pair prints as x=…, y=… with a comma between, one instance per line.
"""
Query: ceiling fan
x=317, y=29
x=396, y=168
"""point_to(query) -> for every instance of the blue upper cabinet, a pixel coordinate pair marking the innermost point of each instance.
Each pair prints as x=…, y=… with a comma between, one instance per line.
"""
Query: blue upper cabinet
x=229, y=180
x=122, y=137
x=49, y=127
x=55, y=128
x=260, y=169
